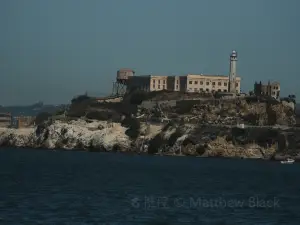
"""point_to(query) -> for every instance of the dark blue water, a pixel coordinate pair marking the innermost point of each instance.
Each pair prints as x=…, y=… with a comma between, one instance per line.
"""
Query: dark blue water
x=47, y=187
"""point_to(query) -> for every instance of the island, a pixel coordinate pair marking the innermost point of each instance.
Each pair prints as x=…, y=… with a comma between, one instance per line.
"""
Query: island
x=167, y=123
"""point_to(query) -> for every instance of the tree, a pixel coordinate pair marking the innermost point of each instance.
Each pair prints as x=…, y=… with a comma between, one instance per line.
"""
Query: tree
x=42, y=117
x=80, y=98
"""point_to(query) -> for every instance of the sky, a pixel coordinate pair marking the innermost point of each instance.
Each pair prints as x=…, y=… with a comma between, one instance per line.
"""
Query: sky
x=52, y=50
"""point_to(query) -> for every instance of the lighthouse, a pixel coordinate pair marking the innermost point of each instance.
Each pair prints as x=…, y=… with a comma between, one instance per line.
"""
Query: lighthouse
x=232, y=72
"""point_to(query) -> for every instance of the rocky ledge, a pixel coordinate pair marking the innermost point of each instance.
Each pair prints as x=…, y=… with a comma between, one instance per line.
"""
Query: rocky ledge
x=164, y=139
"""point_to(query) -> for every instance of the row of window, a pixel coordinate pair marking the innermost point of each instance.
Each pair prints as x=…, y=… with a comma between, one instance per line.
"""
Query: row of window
x=164, y=81
x=213, y=83
x=266, y=93
x=163, y=86
x=159, y=86
x=207, y=83
x=207, y=90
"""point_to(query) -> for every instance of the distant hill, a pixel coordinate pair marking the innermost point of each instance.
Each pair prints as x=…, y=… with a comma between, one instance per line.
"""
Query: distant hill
x=31, y=110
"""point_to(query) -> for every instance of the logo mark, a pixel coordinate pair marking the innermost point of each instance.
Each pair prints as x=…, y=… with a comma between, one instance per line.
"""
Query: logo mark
x=135, y=202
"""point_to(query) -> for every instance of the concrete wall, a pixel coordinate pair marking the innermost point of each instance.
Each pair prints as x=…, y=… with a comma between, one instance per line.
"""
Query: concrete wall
x=24, y=121
x=139, y=82
x=171, y=83
x=151, y=104
x=183, y=83
x=5, y=119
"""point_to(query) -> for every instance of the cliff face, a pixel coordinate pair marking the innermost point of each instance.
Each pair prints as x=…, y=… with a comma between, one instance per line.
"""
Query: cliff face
x=210, y=141
x=75, y=134
x=171, y=139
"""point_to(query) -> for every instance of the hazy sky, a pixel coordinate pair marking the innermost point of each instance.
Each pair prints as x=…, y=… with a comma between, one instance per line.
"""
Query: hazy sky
x=51, y=50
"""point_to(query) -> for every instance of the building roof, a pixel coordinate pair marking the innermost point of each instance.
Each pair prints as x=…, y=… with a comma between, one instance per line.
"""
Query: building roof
x=210, y=75
x=126, y=70
x=266, y=84
x=191, y=75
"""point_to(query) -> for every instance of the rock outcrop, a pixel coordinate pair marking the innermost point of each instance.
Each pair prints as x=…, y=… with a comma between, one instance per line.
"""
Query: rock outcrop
x=76, y=134
x=224, y=112
x=170, y=139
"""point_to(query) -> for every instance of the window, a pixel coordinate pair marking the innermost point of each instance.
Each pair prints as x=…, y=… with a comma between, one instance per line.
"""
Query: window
x=273, y=93
x=225, y=84
x=213, y=83
x=191, y=82
x=158, y=85
x=219, y=90
x=219, y=83
x=164, y=86
x=177, y=81
x=201, y=82
x=195, y=89
x=195, y=82
x=176, y=86
x=153, y=86
x=201, y=89
x=236, y=84
x=153, y=81
x=225, y=90
x=164, y=81
x=207, y=83
x=159, y=81
x=207, y=89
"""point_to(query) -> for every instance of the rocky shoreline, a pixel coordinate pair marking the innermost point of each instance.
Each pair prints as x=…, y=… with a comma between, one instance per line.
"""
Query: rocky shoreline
x=162, y=139
x=159, y=123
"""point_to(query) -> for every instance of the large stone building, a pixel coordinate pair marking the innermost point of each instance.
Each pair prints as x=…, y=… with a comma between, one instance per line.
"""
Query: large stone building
x=190, y=82
x=270, y=89
x=210, y=83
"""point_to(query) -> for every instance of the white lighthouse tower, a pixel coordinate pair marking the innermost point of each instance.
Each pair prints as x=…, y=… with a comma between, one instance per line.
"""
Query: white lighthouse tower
x=232, y=72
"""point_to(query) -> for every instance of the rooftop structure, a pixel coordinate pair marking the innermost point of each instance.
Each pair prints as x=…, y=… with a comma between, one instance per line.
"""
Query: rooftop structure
x=119, y=87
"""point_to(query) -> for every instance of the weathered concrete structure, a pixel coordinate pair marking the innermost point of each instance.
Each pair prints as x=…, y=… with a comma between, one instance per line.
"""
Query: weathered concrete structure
x=270, y=89
x=5, y=119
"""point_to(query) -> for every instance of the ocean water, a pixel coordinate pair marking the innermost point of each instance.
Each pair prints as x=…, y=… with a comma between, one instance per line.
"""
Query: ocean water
x=64, y=187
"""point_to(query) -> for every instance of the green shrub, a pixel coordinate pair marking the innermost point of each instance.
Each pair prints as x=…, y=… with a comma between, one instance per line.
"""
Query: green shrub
x=80, y=98
x=138, y=97
x=173, y=138
x=133, y=126
x=99, y=115
x=155, y=144
x=42, y=117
